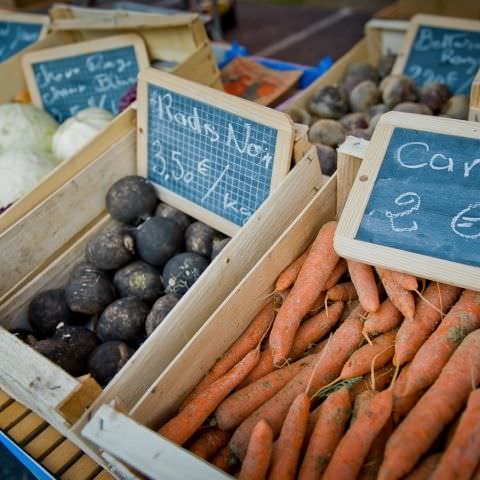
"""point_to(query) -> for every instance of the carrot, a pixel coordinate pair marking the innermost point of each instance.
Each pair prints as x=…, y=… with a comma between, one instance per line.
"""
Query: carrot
x=406, y=281
x=209, y=443
x=400, y=297
x=463, y=454
x=361, y=403
x=412, y=334
x=428, y=362
x=240, y=404
x=311, y=280
x=343, y=342
x=443, y=400
x=309, y=333
x=339, y=270
x=380, y=352
x=319, y=304
x=289, y=444
x=287, y=278
x=259, y=453
x=181, y=427
x=332, y=417
x=348, y=458
x=246, y=342
x=403, y=403
x=425, y=468
x=383, y=320
x=224, y=460
x=382, y=378
x=364, y=281
x=342, y=292
x=279, y=297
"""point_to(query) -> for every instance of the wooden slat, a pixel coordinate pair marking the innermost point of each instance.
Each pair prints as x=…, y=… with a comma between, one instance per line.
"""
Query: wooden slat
x=104, y=475
x=60, y=459
x=11, y=415
x=43, y=443
x=27, y=428
x=5, y=400
x=83, y=469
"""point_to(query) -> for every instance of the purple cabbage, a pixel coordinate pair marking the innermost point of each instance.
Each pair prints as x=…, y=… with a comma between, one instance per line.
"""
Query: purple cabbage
x=127, y=98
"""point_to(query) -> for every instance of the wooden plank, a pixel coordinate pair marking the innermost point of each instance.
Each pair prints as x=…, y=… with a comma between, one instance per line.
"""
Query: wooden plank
x=43, y=443
x=384, y=36
x=27, y=428
x=301, y=144
x=12, y=415
x=474, y=111
x=83, y=469
x=157, y=457
x=104, y=475
x=61, y=458
x=73, y=408
x=5, y=400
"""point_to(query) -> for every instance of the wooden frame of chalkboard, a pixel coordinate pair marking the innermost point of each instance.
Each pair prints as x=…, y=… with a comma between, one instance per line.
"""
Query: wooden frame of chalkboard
x=215, y=101
x=30, y=59
x=474, y=110
x=358, y=210
x=424, y=75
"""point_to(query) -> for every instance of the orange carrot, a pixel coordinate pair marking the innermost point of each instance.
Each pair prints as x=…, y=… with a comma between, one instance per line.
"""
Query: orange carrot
x=382, y=377
x=438, y=297
x=440, y=404
x=379, y=351
x=361, y=403
x=403, y=403
x=289, y=444
x=279, y=297
x=428, y=362
x=425, y=468
x=240, y=404
x=383, y=320
x=333, y=415
x=339, y=270
x=463, y=454
x=311, y=280
x=259, y=453
x=246, y=342
x=287, y=278
x=224, y=460
x=209, y=443
x=406, y=281
x=364, y=281
x=319, y=304
x=309, y=333
x=353, y=448
x=343, y=342
x=181, y=427
x=342, y=292
x=400, y=297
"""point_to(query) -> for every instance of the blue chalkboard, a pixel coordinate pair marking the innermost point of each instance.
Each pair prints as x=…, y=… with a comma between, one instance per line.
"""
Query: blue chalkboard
x=209, y=156
x=70, y=84
x=426, y=197
x=15, y=36
x=444, y=55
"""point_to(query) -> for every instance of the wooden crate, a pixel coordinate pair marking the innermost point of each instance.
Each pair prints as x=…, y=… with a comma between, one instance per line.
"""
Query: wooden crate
x=159, y=458
x=25, y=254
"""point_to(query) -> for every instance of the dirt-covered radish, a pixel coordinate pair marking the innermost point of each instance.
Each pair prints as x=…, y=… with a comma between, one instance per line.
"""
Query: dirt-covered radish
x=166, y=211
x=130, y=199
x=59, y=352
x=89, y=290
x=159, y=311
x=182, y=271
x=158, y=239
x=107, y=359
x=330, y=101
x=110, y=249
x=199, y=238
x=123, y=320
x=139, y=279
x=49, y=308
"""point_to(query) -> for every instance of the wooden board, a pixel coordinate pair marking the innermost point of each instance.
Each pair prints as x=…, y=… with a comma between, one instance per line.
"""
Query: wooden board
x=95, y=73
x=207, y=165
x=430, y=52
x=384, y=37
x=424, y=218
x=474, y=110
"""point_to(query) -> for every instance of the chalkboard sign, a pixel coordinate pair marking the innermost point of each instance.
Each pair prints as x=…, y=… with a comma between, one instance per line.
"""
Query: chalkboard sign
x=215, y=156
x=18, y=32
x=441, y=49
x=415, y=205
x=65, y=80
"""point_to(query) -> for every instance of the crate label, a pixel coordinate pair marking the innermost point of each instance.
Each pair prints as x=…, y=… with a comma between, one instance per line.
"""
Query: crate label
x=15, y=36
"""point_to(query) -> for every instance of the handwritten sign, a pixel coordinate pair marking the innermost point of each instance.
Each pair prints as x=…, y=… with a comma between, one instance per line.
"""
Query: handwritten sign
x=213, y=155
x=65, y=80
x=419, y=192
x=441, y=49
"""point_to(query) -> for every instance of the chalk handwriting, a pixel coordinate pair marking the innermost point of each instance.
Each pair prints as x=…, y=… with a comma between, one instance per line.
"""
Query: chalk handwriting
x=405, y=199
x=466, y=223
x=16, y=36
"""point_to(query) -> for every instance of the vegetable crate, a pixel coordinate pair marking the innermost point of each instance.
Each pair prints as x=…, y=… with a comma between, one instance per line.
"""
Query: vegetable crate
x=120, y=433
x=23, y=255
x=62, y=399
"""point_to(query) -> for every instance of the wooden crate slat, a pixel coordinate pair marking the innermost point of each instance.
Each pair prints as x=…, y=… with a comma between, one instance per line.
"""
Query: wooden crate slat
x=60, y=459
x=43, y=443
x=5, y=400
x=83, y=469
x=11, y=415
x=27, y=428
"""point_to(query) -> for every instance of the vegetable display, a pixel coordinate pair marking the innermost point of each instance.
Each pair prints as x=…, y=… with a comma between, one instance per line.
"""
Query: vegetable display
x=332, y=389
x=135, y=271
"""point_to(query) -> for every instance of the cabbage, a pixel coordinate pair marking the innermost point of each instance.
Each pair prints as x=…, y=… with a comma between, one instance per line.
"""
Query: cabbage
x=25, y=126
x=20, y=172
x=78, y=130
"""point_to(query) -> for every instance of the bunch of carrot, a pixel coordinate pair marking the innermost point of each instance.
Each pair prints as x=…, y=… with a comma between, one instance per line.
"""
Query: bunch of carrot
x=357, y=374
